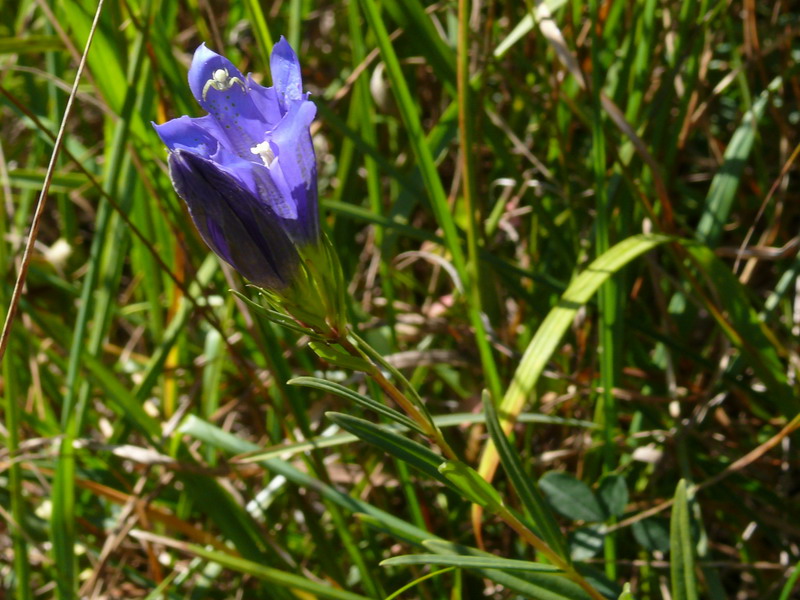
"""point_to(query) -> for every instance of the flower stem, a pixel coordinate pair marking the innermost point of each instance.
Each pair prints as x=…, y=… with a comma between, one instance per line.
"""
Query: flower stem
x=541, y=546
x=363, y=350
x=359, y=348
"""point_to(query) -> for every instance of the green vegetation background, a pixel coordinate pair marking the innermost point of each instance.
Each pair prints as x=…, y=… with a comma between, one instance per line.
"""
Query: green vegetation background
x=133, y=376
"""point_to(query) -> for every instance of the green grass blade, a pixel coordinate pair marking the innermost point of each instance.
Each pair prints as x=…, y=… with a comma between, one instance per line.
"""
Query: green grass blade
x=433, y=184
x=21, y=561
x=273, y=576
x=467, y=562
x=533, y=501
x=552, y=329
x=723, y=188
x=742, y=325
x=682, y=572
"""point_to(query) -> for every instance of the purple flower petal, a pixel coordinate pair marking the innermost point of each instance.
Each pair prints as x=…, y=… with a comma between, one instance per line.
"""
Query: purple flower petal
x=221, y=89
x=247, y=170
x=185, y=133
x=266, y=101
x=286, y=75
x=242, y=231
x=294, y=169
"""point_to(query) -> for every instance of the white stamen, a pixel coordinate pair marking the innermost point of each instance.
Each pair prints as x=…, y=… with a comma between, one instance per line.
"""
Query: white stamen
x=265, y=152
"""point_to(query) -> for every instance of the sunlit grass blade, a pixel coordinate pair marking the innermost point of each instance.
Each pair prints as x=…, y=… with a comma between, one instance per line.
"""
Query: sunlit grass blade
x=479, y=562
x=550, y=332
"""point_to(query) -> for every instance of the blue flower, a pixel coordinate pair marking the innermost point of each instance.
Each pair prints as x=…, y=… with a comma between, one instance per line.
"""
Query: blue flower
x=247, y=170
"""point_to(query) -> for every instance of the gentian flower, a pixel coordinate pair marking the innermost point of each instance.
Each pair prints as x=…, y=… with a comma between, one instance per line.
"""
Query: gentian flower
x=247, y=170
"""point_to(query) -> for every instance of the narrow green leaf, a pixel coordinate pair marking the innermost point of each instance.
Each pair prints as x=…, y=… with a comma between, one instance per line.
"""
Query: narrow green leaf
x=684, y=579
x=745, y=329
x=33, y=179
x=555, y=325
x=332, y=387
x=398, y=446
x=274, y=576
x=474, y=487
x=218, y=438
x=526, y=488
x=339, y=357
x=258, y=22
x=433, y=183
x=542, y=586
x=30, y=44
x=277, y=317
x=535, y=585
x=416, y=135
x=725, y=183
x=411, y=15
x=626, y=593
x=452, y=420
x=525, y=25
x=467, y=562
x=791, y=583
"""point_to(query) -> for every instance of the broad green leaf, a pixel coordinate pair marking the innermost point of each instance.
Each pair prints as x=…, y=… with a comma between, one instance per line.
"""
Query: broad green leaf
x=533, y=501
x=652, y=534
x=613, y=495
x=586, y=542
x=684, y=579
x=398, y=446
x=571, y=497
x=467, y=562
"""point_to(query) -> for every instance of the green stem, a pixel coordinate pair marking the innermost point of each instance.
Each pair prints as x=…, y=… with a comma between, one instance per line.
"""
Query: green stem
x=526, y=534
x=363, y=350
